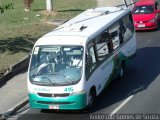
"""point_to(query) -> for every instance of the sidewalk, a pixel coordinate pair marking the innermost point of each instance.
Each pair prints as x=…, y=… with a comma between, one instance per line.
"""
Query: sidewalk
x=109, y=2
x=15, y=90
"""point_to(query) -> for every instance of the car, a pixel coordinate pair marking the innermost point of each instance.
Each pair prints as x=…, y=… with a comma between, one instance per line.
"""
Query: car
x=146, y=15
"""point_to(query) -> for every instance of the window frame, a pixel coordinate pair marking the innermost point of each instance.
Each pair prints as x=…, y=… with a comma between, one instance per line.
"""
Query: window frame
x=111, y=50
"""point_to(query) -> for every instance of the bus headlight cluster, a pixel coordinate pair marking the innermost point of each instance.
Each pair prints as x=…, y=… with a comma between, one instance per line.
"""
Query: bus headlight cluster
x=31, y=91
x=78, y=93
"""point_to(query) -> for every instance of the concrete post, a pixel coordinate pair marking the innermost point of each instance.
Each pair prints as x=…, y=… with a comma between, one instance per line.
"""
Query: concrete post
x=49, y=5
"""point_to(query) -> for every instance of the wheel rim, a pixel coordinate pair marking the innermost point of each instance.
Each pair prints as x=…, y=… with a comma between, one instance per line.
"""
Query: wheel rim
x=121, y=72
x=90, y=100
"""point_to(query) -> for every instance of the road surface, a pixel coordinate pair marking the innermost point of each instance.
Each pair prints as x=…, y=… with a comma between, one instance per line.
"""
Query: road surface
x=137, y=92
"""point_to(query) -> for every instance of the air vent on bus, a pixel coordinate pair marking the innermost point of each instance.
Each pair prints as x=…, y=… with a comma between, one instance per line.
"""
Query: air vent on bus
x=53, y=95
x=76, y=27
x=98, y=12
x=55, y=103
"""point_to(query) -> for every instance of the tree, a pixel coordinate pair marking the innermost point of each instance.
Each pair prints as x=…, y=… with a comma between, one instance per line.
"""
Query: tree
x=27, y=4
x=6, y=6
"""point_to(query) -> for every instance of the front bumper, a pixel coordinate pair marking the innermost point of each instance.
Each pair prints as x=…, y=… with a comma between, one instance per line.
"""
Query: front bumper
x=148, y=26
x=72, y=102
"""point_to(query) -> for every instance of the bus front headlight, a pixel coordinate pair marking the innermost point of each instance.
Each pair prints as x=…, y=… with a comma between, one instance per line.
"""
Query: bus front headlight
x=78, y=93
x=31, y=91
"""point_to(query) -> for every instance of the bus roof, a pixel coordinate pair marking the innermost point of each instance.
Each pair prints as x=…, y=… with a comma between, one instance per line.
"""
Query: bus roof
x=86, y=25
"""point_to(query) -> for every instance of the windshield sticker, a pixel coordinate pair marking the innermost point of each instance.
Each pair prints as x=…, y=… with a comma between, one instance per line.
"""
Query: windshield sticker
x=41, y=90
x=67, y=49
x=36, y=50
x=53, y=49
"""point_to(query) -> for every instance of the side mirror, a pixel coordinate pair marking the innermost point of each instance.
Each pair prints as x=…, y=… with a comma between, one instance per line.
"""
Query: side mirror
x=157, y=11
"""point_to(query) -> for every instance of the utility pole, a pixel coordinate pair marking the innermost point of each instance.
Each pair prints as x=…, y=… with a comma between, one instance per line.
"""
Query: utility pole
x=126, y=3
x=49, y=5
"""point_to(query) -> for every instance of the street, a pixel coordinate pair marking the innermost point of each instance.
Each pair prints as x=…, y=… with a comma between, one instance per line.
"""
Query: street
x=137, y=93
x=139, y=88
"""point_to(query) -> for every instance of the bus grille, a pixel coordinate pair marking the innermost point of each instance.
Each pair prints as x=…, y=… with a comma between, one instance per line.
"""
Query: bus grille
x=54, y=103
x=53, y=95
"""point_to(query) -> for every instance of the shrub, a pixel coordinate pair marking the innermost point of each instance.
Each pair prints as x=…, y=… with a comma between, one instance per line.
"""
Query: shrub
x=6, y=6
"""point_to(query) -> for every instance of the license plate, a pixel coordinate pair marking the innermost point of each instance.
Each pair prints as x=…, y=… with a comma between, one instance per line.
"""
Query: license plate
x=141, y=25
x=55, y=107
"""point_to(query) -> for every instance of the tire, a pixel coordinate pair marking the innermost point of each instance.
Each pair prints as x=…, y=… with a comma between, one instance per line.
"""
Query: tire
x=121, y=70
x=92, y=99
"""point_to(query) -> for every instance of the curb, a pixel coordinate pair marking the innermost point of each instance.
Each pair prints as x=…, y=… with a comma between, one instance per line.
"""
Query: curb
x=14, y=109
x=15, y=69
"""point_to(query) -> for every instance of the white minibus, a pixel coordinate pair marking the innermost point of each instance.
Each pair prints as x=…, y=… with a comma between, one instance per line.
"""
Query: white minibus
x=71, y=65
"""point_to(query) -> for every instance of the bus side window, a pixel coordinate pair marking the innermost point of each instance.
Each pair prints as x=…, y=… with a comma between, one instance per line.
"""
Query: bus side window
x=114, y=35
x=102, y=46
x=122, y=30
x=127, y=22
x=90, y=61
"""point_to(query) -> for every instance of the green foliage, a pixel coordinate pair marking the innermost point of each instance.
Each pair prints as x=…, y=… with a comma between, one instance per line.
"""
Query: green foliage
x=20, y=29
x=6, y=6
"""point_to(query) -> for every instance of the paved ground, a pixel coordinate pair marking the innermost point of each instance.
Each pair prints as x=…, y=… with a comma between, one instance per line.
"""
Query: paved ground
x=101, y=3
x=109, y=2
x=15, y=90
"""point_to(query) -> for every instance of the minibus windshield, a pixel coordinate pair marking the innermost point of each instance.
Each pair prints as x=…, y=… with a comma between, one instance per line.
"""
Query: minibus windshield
x=56, y=65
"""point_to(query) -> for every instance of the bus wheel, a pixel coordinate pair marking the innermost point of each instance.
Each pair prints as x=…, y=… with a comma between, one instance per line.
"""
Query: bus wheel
x=121, y=70
x=91, y=98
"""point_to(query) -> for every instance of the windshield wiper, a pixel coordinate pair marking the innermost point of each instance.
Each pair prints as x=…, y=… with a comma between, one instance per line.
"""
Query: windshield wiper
x=66, y=78
x=47, y=79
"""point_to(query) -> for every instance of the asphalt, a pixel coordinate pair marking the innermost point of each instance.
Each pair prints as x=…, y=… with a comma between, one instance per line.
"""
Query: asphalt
x=13, y=93
x=136, y=94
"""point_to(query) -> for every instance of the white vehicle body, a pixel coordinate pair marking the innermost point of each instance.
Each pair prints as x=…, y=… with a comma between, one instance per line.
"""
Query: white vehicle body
x=95, y=46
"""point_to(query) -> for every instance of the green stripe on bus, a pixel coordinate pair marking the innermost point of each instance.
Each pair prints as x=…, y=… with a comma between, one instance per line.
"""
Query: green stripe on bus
x=78, y=101
x=117, y=60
